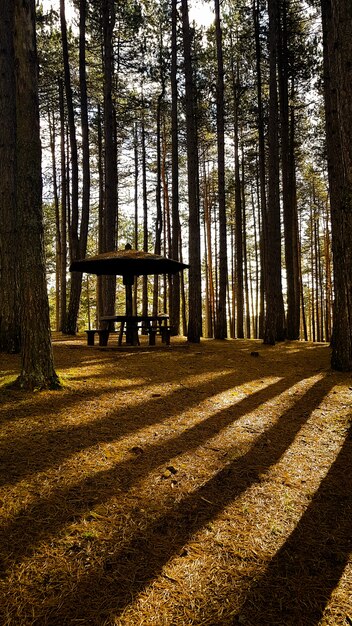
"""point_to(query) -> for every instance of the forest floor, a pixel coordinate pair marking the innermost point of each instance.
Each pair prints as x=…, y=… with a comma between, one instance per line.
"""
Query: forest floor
x=175, y=486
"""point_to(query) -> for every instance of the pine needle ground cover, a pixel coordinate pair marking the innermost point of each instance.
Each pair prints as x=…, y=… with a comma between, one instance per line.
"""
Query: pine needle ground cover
x=204, y=485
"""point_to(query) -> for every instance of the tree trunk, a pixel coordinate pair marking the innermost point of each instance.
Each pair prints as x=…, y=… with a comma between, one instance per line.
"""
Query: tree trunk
x=175, y=237
x=159, y=213
x=83, y=234
x=135, y=237
x=63, y=220
x=9, y=314
x=101, y=213
x=52, y=135
x=210, y=302
x=221, y=324
x=287, y=127
x=337, y=44
x=275, y=317
x=262, y=168
x=110, y=161
x=37, y=369
x=76, y=277
x=238, y=213
x=145, y=209
x=327, y=255
x=195, y=302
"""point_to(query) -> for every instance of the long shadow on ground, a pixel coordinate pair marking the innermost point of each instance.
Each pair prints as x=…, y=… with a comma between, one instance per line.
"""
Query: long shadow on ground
x=309, y=565
x=46, y=515
x=141, y=559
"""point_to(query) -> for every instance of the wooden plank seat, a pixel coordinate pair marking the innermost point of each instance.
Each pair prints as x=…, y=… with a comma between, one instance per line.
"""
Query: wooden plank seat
x=152, y=331
x=131, y=325
x=164, y=331
x=103, y=334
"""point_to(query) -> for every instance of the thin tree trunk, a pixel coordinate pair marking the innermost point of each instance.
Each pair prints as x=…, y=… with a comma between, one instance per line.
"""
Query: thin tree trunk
x=76, y=277
x=85, y=132
x=63, y=216
x=287, y=128
x=238, y=211
x=100, y=305
x=327, y=254
x=262, y=169
x=159, y=213
x=221, y=323
x=210, y=303
x=110, y=160
x=175, y=280
x=51, y=124
x=145, y=209
x=313, y=327
x=275, y=317
x=316, y=272
x=136, y=175
x=195, y=303
x=246, y=279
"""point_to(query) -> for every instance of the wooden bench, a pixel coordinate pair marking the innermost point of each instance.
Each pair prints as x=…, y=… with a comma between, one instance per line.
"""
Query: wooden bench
x=164, y=331
x=103, y=334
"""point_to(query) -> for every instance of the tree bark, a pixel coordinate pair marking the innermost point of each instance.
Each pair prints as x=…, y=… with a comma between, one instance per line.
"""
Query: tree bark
x=221, y=322
x=37, y=368
x=110, y=160
x=275, y=317
x=159, y=212
x=337, y=45
x=175, y=237
x=83, y=234
x=261, y=167
x=63, y=221
x=195, y=302
x=287, y=128
x=52, y=135
x=239, y=285
x=76, y=277
x=145, y=208
x=9, y=314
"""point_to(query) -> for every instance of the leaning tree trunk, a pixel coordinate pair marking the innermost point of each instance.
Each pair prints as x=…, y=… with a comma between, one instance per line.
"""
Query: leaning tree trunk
x=37, y=359
x=337, y=44
x=9, y=318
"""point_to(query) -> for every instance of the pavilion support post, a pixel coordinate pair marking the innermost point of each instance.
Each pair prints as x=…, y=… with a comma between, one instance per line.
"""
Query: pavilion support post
x=131, y=330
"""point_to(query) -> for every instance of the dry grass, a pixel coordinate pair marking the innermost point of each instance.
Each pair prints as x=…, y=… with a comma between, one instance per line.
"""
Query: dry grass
x=178, y=486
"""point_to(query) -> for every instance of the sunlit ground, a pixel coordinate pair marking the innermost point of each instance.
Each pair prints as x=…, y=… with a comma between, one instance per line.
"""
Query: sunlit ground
x=178, y=486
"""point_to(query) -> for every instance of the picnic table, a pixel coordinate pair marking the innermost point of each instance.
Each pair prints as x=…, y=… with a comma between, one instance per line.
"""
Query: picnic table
x=130, y=325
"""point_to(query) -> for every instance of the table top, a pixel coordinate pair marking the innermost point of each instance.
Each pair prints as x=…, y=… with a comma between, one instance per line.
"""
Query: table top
x=134, y=318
